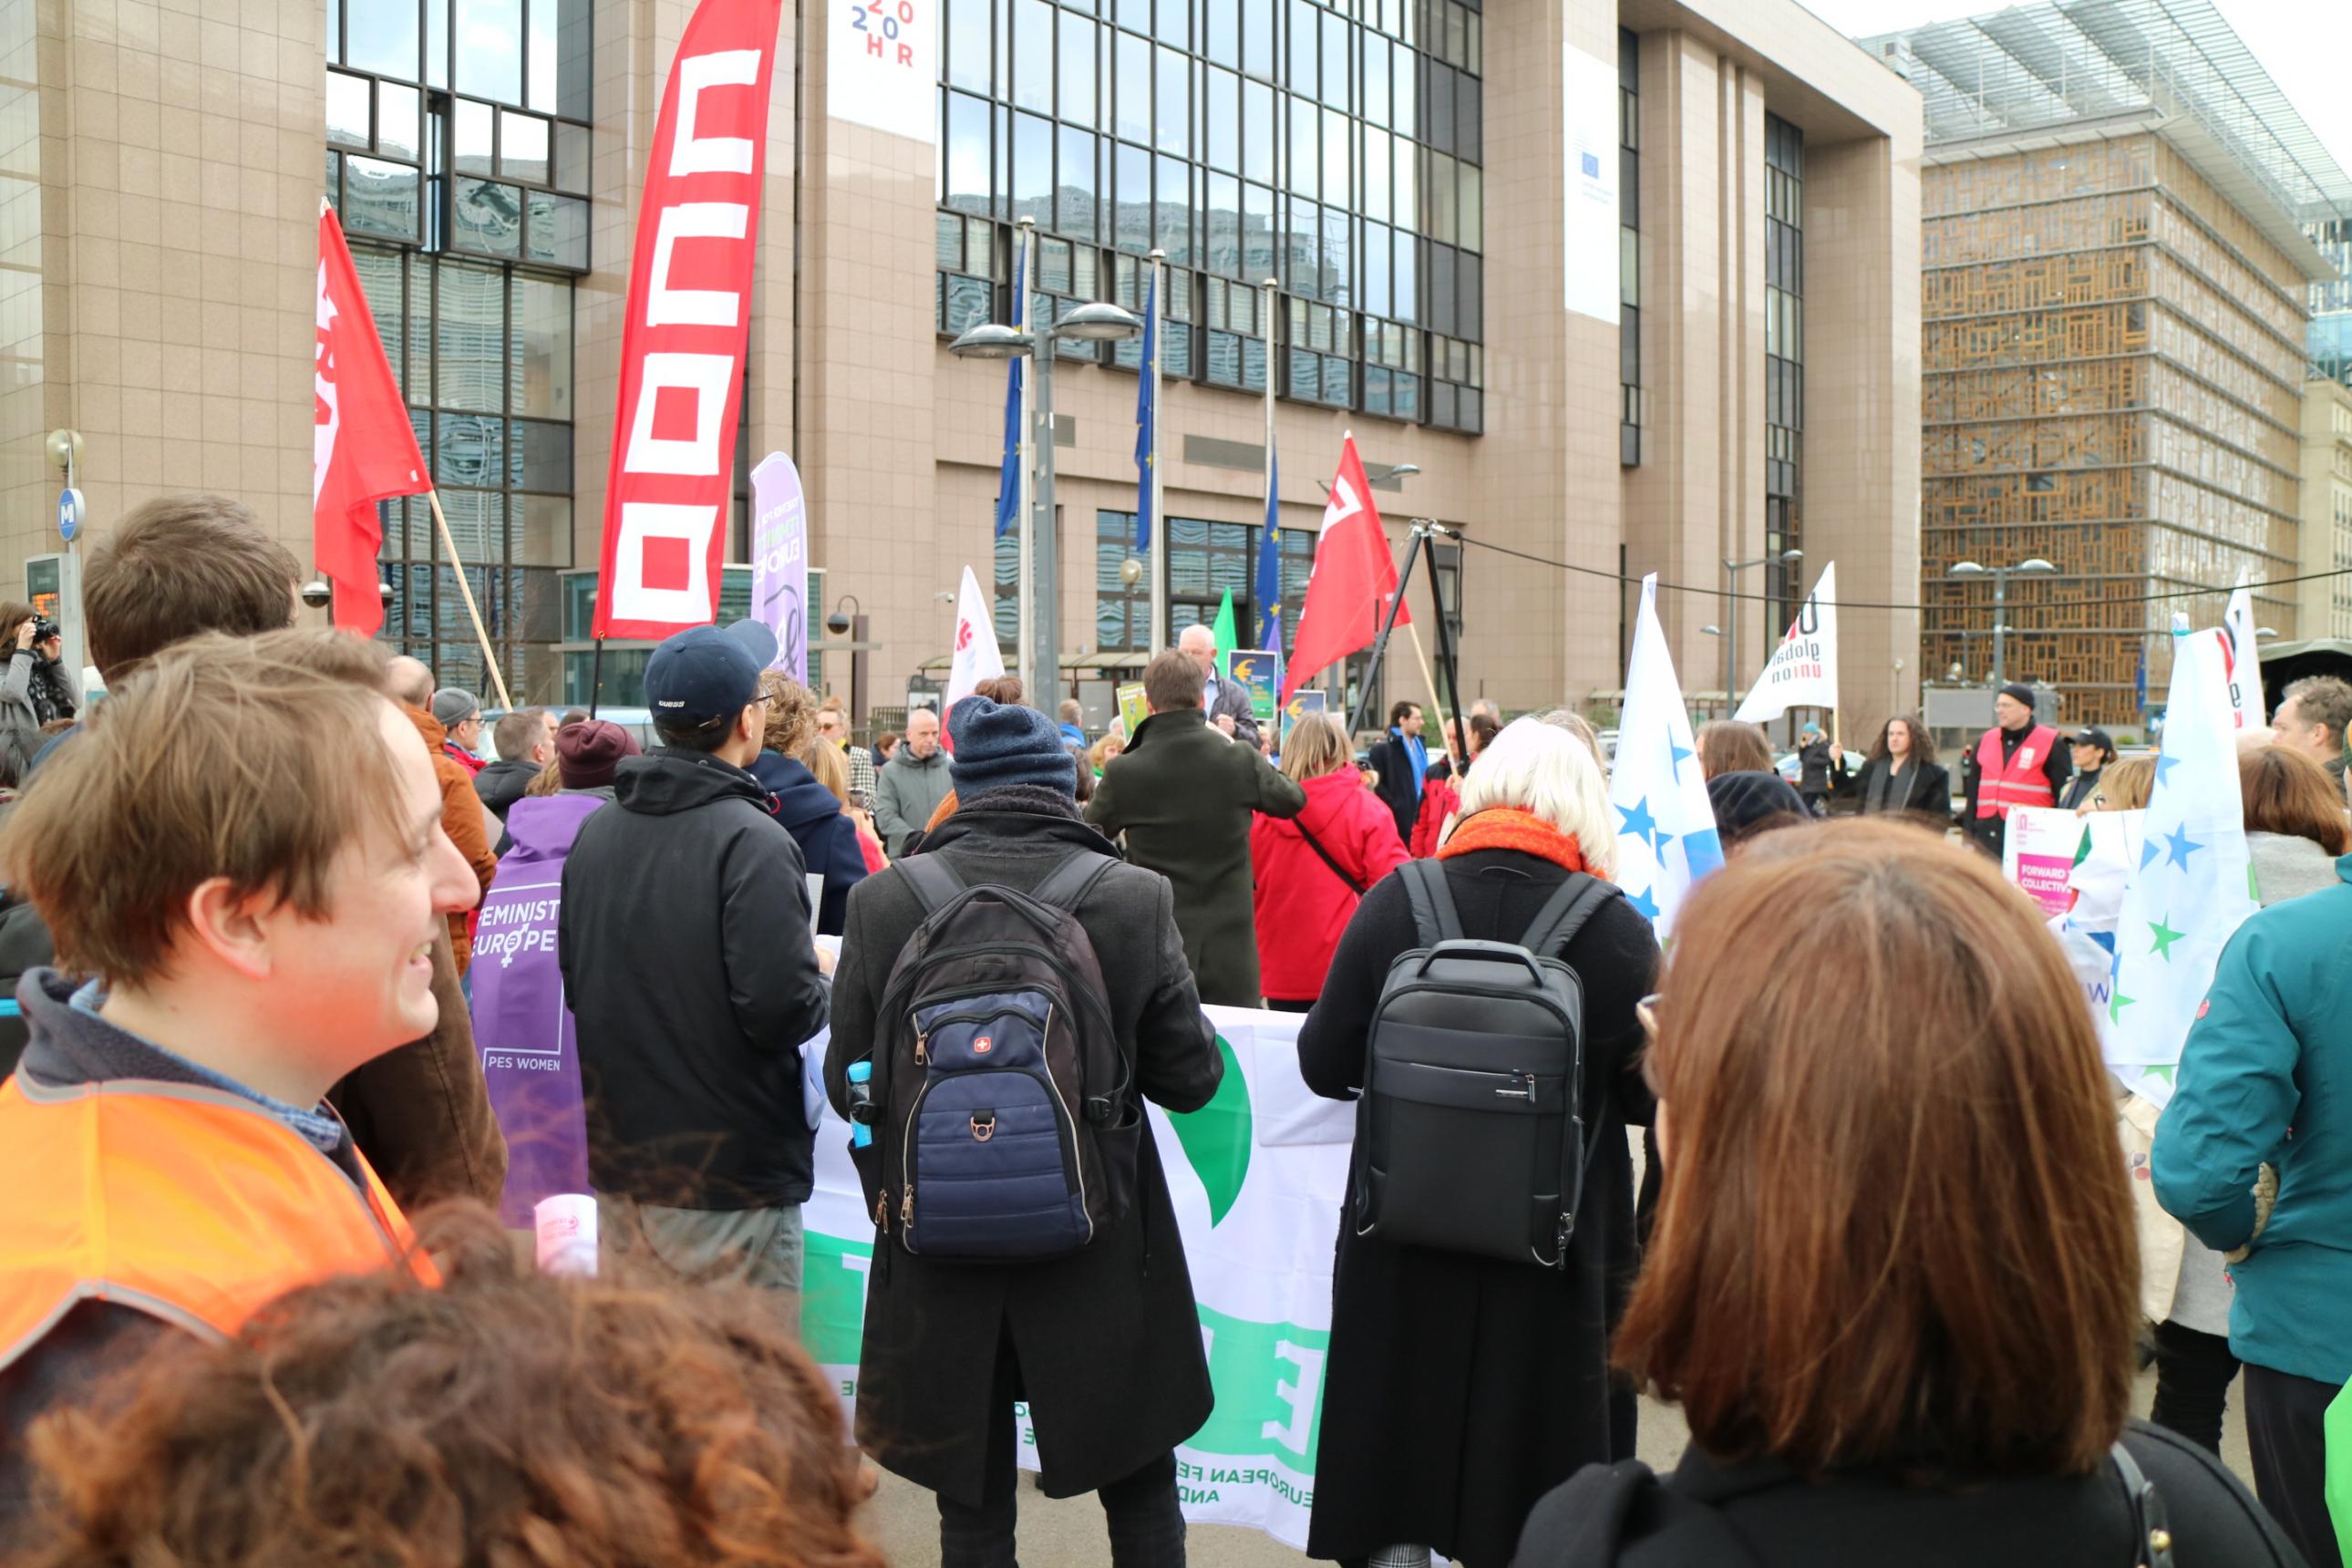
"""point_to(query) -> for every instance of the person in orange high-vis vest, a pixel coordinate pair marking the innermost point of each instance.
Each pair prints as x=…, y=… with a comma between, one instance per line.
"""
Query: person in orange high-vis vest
x=2016, y=762
x=168, y=1164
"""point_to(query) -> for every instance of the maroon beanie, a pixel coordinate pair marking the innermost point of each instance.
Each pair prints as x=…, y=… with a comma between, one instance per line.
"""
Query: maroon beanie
x=586, y=754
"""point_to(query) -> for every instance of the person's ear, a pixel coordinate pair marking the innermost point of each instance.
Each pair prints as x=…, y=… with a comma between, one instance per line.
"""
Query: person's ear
x=233, y=930
x=751, y=724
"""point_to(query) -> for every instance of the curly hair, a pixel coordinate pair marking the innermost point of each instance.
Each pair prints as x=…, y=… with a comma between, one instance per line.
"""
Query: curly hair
x=792, y=713
x=505, y=1418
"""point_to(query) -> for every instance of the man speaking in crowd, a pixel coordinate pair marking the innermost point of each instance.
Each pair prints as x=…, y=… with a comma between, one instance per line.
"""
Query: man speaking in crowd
x=1226, y=704
x=2016, y=762
x=912, y=785
x=684, y=948
x=1402, y=761
x=1184, y=797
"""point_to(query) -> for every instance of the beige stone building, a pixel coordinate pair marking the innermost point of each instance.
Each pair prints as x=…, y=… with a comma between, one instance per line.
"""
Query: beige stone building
x=2326, y=602
x=1557, y=259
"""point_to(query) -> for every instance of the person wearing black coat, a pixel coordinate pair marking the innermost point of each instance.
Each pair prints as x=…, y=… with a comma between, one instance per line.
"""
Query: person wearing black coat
x=1104, y=1343
x=1458, y=1389
x=828, y=840
x=1909, y=781
x=1401, y=758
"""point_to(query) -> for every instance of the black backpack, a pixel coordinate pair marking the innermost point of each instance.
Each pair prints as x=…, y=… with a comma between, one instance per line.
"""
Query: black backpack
x=1005, y=1124
x=1471, y=1122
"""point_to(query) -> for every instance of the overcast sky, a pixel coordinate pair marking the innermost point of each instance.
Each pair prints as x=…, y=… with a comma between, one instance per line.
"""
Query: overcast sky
x=2305, y=45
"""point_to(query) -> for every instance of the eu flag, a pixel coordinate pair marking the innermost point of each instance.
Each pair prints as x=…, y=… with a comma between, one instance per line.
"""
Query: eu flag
x=1008, y=479
x=1268, y=592
x=1147, y=422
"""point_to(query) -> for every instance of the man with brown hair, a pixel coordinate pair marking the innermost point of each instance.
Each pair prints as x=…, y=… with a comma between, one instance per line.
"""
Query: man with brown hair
x=1183, y=793
x=463, y=818
x=2313, y=715
x=167, y=1162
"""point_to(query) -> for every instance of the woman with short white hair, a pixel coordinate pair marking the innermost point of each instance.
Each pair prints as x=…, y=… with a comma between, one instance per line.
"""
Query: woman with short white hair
x=1458, y=1388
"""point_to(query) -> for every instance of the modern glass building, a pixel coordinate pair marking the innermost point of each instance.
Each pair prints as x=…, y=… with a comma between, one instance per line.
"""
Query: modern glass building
x=1473, y=212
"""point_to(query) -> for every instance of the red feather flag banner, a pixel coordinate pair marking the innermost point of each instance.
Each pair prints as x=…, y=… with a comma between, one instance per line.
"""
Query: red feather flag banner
x=682, y=343
x=1354, y=579
x=363, y=448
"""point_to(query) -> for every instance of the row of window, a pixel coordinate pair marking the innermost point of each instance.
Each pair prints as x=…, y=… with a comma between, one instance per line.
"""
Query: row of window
x=1784, y=350
x=1629, y=247
x=534, y=54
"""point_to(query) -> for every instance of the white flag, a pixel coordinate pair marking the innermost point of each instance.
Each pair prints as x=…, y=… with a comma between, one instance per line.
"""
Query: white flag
x=2243, y=658
x=2191, y=883
x=1665, y=828
x=1802, y=671
x=977, y=657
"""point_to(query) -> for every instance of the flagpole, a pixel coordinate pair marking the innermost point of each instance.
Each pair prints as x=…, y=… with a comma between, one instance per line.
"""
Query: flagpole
x=1159, y=562
x=465, y=592
x=1025, y=658
x=1272, y=501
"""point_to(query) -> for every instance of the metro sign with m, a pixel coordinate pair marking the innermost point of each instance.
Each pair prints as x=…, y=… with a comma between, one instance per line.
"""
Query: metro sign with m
x=682, y=346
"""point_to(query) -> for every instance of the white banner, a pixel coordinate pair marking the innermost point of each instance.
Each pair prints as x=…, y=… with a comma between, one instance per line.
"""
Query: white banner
x=1802, y=671
x=1257, y=1177
x=882, y=65
x=1594, y=226
x=2242, y=651
x=974, y=656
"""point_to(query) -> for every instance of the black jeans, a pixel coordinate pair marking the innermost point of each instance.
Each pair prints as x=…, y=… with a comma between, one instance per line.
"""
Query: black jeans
x=1147, y=1527
x=2284, y=1419
x=2192, y=1383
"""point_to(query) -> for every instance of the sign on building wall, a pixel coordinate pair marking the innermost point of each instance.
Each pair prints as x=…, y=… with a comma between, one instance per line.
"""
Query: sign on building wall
x=882, y=65
x=1588, y=121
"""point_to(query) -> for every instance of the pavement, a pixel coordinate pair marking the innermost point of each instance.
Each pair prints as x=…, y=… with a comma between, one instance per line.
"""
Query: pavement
x=1068, y=1532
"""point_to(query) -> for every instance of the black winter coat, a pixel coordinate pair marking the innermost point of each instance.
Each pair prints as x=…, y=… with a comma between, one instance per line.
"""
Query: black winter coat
x=1760, y=1514
x=684, y=944
x=1109, y=1338
x=1460, y=1389
x=1923, y=790
x=502, y=785
x=1392, y=760
x=828, y=840
x=1182, y=793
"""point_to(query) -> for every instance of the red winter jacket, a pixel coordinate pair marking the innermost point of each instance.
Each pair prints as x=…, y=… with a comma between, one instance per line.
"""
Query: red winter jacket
x=1439, y=800
x=1302, y=906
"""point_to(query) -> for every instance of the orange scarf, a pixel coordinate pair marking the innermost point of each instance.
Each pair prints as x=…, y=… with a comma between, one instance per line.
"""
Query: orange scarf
x=1508, y=827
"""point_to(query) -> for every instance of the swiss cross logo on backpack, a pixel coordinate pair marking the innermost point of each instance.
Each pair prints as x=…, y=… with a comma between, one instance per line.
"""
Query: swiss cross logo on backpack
x=983, y=1046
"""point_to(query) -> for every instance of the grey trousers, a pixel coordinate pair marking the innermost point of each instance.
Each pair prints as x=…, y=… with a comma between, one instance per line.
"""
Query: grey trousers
x=746, y=1246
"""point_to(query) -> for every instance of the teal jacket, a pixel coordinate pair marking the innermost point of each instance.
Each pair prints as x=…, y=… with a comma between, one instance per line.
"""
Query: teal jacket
x=2266, y=1077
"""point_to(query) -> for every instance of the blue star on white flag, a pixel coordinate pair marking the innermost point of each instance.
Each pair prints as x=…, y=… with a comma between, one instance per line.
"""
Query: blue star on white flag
x=1666, y=829
x=2191, y=884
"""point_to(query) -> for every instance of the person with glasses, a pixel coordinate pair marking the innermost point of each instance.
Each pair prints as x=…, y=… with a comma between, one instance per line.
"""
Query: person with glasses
x=1893, y=1280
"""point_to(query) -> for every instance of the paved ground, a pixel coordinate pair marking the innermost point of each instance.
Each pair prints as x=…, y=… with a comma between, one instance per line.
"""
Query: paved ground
x=1069, y=1535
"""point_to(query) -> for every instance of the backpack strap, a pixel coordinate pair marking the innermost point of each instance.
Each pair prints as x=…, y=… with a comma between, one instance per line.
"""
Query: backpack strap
x=1435, y=918
x=2151, y=1534
x=933, y=880
x=1565, y=912
x=1324, y=855
x=1068, y=883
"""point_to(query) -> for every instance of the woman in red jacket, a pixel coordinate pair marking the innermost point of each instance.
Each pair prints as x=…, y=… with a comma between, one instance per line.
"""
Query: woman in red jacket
x=1311, y=870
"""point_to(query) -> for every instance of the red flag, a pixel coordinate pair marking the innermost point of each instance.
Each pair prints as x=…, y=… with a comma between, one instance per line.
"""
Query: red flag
x=1355, y=577
x=363, y=448
x=682, y=343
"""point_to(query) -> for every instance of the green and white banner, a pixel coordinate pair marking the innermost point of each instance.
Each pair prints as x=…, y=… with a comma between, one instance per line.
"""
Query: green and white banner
x=1257, y=1176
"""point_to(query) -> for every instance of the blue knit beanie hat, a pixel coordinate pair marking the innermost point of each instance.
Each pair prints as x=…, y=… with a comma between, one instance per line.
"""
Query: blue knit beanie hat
x=999, y=743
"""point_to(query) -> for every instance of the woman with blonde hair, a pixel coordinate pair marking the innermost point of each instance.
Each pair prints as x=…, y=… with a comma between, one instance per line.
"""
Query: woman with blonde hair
x=810, y=812
x=1892, y=1280
x=1458, y=1387
x=1312, y=870
x=831, y=769
x=2123, y=786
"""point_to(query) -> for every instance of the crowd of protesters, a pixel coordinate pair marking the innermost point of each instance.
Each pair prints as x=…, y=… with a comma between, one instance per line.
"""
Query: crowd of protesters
x=257, y=1311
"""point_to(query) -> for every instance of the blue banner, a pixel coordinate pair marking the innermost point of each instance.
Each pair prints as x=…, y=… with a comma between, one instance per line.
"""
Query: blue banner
x=1008, y=479
x=1146, y=419
x=1269, y=591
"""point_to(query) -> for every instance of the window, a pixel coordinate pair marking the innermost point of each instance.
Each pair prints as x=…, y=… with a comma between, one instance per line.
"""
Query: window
x=1205, y=560
x=1784, y=362
x=1629, y=247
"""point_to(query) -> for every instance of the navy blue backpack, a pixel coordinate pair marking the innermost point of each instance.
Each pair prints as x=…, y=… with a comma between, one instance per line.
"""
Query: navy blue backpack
x=1005, y=1125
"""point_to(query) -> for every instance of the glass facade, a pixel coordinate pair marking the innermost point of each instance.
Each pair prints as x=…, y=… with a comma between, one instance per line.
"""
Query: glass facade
x=2330, y=334
x=1784, y=363
x=1205, y=560
x=1338, y=149
x=1629, y=245
x=457, y=153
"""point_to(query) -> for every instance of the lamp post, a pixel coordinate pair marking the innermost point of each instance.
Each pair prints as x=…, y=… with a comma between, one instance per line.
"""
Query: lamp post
x=1731, y=571
x=2033, y=567
x=1040, y=657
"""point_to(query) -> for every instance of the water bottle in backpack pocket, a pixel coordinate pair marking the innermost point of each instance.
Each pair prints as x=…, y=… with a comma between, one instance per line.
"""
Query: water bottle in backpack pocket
x=1005, y=1124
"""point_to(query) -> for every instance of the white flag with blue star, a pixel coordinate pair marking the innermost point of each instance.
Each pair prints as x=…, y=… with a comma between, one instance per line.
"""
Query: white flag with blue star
x=1665, y=828
x=2191, y=882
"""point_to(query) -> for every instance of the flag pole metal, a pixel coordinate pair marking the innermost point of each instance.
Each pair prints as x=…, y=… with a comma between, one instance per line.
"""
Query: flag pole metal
x=465, y=592
x=1159, y=562
x=1446, y=642
x=1025, y=658
x=1380, y=643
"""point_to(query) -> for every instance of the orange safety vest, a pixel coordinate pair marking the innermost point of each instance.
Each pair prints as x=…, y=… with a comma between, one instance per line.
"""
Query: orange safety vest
x=2004, y=783
x=190, y=1204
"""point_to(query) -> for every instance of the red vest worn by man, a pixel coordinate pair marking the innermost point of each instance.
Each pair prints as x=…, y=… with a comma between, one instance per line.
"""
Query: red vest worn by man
x=2005, y=782
x=191, y=1204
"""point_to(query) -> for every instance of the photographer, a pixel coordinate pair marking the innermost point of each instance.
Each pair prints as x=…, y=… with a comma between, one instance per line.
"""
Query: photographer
x=37, y=688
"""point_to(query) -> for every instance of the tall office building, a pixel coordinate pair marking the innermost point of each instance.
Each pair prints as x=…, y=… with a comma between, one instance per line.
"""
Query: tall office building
x=2118, y=206
x=1554, y=258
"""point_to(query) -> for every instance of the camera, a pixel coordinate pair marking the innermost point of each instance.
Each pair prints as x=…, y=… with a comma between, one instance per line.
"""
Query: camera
x=44, y=629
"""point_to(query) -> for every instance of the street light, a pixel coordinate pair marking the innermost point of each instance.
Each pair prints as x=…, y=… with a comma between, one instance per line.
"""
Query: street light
x=2032, y=566
x=1098, y=322
x=1378, y=473
x=1732, y=569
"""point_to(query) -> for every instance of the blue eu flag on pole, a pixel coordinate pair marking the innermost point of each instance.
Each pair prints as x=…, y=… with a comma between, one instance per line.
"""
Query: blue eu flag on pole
x=1008, y=479
x=1268, y=592
x=1147, y=422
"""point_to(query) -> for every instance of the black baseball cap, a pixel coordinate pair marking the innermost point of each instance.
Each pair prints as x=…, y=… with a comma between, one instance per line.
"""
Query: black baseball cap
x=703, y=673
x=2092, y=736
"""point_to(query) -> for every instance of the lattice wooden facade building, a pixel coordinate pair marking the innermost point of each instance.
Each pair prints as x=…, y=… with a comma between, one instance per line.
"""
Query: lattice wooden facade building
x=2112, y=365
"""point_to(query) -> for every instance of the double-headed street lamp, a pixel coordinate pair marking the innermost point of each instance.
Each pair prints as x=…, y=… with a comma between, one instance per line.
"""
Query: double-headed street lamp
x=1731, y=571
x=1041, y=656
x=2035, y=566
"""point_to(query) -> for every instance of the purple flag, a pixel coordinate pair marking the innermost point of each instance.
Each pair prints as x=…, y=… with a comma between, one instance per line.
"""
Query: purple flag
x=530, y=1059
x=780, y=561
